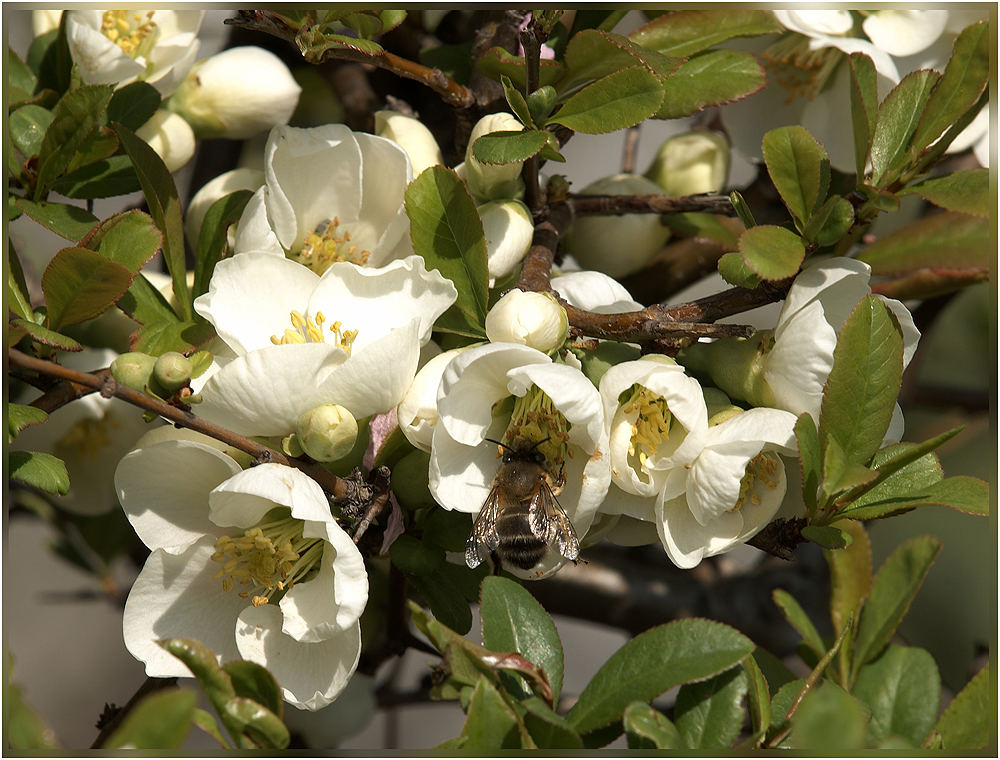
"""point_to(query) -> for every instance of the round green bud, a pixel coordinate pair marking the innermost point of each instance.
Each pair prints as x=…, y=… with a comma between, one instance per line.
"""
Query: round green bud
x=172, y=371
x=327, y=432
x=133, y=370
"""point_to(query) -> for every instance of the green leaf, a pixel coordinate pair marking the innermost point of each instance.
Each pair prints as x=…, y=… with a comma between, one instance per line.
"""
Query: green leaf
x=45, y=336
x=514, y=621
x=156, y=338
x=21, y=80
x=799, y=620
x=895, y=585
x=735, y=271
x=133, y=105
x=617, y=101
x=668, y=655
x=16, y=291
x=861, y=391
x=257, y=727
x=490, y=723
x=799, y=168
x=904, y=470
x=509, y=147
x=593, y=54
x=159, y=721
x=864, y=107
x=966, y=191
x=165, y=207
x=24, y=728
x=497, y=61
x=515, y=99
x=128, y=238
x=80, y=284
x=774, y=670
x=965, y=78
x=968, y=723
x=646, y=728
x=830, y=222
x=684, y=33
x=50, y=59
x=255, y=682
x=828, y=720
x=897, y=121
x=445, y=599
x=447, y=232
x=850, y=575
x=758, y=699
x=75, y=115
x=20, y=416
x=709, y=714
x=202, y=663
x=548, y=729
x=212, y=243
x=827, y=536
x=102, y=179
x=947, y=240
x=28, y=125
x=782, y=700
x=712, y=78
x=206, y=722
x=772, y=253
x=903, y=690
x=810, y=459
x=69, y=222
x=145, y=304
x=98, y=145
x=961, y=493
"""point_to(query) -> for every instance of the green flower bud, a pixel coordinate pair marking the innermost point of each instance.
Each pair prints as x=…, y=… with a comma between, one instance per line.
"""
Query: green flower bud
x=133, y=370
x=691, y=163
x=172, y=371
x=327, y=432
x=736, y=365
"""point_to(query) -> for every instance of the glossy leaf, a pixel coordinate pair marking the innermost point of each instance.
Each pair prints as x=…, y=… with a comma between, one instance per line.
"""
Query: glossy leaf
x=145, y=304
x=902, y=688
x=861, y=391
x=709, y=714
x=256, y=726
x=827, y=536
x=828, y=720
x=617, y=101
x=490, y=722
x=893, y=589
x=28, y=125
x=772, y=253
x=509, y=147
x=158, y=337
x=46, y=336
x=16, y=291
x=966, y=191
x=947, y=240
x=444, y=598
x=668, y=655
x=50, y=59
x=516, y=101
x=514, y=621
x=968, y=722
x=80, y=284
x=255, y=682
x=21, y=80
x=712, y=78
x=204, y=665
x=221, y=214
x=758, y=699
x=102, y=179
x=40, y=470
x=734, y=270
x=497, y=61
x=128, y=238
x=782, y=700
x=799, y=620
x=646, y=728
x=686, y=32
x=69, y=222
x=864, y=107
x=593, y=54
x=20, y=416
x=548, y=729
x=133, y=105
x=799, y=168
x=830, y=222
x=447, y=232
x=773, y=669
x=98, y=145
x=810, y=459
x=897, y=121
x=159, y=721
x=961, y=493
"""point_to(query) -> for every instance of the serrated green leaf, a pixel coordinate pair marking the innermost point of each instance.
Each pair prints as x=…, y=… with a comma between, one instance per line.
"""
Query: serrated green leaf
x=46, y=336
x=514, y=621
x=515, y=99
x=165, y=208
x=24, y=728
x=961, y=493
x=21, y=80
x=828, y=720
x=98, y=145
x=16, y=291
x=772, y=253
x=864, y=107
x=964, y=79
x=799, y=167
x=967, y=723
x=830, y=222
x=734, y=270
x=758, y=699
x=617, y=101
x=145, y=304
x=781, y=701
x=902, y=688
x=509, y=147
x=212, y=236
x=827, y=536
x=686, y=32
x=102, y=179
x=903, y=470
x=205, y=721
x=159, y=721
x=897, y=121
x=128, y=238
x=255, y=682
x=28, y=125
x=446, y=231
x=850, y=575
x=947, y=240
x=156, y=338
x=204, y=665
x=593, y=54
x=709, y=714
x=414, y=556
x=50, y=59
x=711, y=78
x=133, y=105
x=490, y=723
x=20, y=416
x=69, y=222
x=799, y=620
x=861, y=391
x=79, y=284
x=966, y=191
x=445, y=599
x=774, y=670
x=668, y=655
x=497, y=61
x=810, y=459
x=646, y=728
x=548, y=729
x=893, y=589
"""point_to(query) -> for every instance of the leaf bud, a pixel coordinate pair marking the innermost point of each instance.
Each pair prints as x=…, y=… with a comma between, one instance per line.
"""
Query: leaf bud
x=327, y=432
x=541, y=102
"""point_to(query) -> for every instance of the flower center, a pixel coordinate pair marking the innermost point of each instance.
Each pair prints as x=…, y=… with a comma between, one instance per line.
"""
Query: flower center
x=652, y=423
x=88, y=438
x=310, y=330
x=272, y=556
x=535, y=422
x=324, y=247
x=132, y=31
x=799, y=70
x=761, y=472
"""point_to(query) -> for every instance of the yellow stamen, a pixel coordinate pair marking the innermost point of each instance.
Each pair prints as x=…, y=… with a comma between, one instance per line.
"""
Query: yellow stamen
x=324, y=247
x=652, y=423
x=536, y=420
x=310, y=330
x=761, y=472
x=134, y=35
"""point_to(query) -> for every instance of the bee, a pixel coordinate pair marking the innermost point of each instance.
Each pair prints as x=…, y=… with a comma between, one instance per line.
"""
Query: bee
x=521, y=517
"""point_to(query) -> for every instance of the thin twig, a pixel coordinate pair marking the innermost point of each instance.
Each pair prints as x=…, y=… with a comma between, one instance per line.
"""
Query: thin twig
x=619, y=205
x=630, y=148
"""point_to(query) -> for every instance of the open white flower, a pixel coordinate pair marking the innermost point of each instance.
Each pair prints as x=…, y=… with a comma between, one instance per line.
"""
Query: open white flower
x=417, y=413
x=330, y=195
x=251, y=563
x=509, y=393
x=121, y=46
x=351, y=337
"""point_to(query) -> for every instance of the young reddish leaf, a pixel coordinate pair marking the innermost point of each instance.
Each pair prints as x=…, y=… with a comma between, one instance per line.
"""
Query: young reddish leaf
x=967, y=191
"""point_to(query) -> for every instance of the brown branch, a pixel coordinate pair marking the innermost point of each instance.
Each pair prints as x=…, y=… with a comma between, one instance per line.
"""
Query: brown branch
x=107, y=387
x=618, y=205
x=629, y=149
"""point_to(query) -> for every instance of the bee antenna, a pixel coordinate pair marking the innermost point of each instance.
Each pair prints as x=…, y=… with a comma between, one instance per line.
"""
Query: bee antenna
x=499, y=443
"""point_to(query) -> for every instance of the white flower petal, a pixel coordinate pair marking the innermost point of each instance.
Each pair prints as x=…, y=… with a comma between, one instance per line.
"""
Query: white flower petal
x=682, y=537
x=572, y=393
x=911, y=335
x=904, y=32
x=382, y=199
x=311, y=675
x=713, y=485
x=242, y=500
x=253, y=232
x=99, y=60
x=772, y=426
x=800, y=361
x=594, y=291
x=417, y=413
x=631, y=532
x=460, y=476
x=838, y=283
x=812, y=22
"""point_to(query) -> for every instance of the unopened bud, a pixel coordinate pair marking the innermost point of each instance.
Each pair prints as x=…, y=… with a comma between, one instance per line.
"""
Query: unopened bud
x=172, y=371
x=493, y=181
x=327, y=432
x=133, y=370
x=412, y=136
x=691, y=163
x=530, y=319
x=509, y=229
x=170, y=136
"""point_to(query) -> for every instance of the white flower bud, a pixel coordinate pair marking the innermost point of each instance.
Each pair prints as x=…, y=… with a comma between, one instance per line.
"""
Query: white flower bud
x=691, y=163
x=237, y=94
x=170, y=136
x=617, y=245
x=412, y=136
x=327, y=432
x=509, y=229
x=417, y=413
x=44, y=21
x=493, y=181
x=530, y=319
x=211, y=191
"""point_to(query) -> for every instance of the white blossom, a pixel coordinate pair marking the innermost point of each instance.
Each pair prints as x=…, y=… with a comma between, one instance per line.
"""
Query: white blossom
x=170, y=136
x=529, y=318
x=412, y=136
x=417, y=413
x=213, y=190
x=508, y=228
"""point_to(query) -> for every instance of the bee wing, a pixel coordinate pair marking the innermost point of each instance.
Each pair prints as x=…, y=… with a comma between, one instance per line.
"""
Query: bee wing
x=484, y=539
x=549, y=522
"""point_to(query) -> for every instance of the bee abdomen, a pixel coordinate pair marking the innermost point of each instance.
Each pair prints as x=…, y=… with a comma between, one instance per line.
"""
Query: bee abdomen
x=518, y=546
